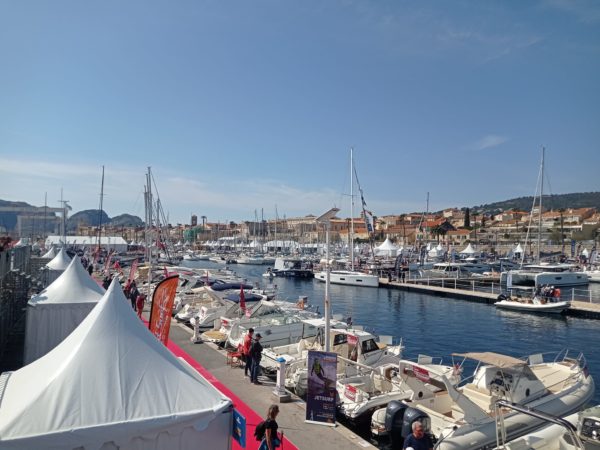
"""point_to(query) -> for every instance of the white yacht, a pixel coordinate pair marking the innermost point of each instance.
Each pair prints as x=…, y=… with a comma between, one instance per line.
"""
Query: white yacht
x=545, y=274
x=373, y=388
x=348, y=277
x=465, y=417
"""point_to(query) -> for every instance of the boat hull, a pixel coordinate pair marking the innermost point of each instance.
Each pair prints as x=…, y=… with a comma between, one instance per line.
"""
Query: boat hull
x=349, y=278
x=548, y=308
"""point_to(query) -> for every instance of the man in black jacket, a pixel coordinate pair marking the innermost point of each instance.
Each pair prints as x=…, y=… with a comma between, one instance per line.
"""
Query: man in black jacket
x=256, y=353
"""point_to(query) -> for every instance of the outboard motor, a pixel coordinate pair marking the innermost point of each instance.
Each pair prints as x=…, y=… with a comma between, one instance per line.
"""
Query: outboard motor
x=502, y=297
x=394, y=415
x=412, y=415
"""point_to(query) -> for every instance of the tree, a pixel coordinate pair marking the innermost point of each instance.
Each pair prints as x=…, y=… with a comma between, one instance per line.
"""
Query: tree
x=467, y=218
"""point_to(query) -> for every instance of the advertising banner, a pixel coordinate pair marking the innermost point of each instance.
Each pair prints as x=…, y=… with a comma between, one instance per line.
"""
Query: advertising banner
x=162, y=307
x=239, y=428
x=320, y=399
x=133, y=270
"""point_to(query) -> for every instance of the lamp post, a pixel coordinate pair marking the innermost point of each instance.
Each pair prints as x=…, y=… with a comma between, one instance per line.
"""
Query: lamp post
x=325, y=219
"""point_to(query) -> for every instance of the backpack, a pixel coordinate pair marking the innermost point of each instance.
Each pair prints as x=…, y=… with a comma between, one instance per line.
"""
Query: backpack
x=259, y=431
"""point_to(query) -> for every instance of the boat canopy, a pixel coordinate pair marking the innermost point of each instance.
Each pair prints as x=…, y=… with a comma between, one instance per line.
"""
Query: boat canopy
x=494, y=359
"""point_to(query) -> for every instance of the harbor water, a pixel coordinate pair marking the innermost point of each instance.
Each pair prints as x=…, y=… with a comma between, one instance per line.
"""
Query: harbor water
x=439, y=326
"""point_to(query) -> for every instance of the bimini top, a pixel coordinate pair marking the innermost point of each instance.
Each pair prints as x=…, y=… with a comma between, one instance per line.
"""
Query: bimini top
x=493, y=359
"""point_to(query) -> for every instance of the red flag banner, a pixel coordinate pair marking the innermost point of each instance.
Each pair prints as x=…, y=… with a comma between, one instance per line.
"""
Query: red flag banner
x=242, y=298
x=162, y=306
x=133, y=270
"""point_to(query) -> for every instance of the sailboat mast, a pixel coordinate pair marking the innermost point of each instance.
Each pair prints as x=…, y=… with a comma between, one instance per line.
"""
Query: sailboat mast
x=351, y=209
x=539, y=243
x=100, y=212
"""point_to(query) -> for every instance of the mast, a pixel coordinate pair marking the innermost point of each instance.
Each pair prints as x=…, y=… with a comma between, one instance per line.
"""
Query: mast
x=351, y=209
x=539, y=242
x=149, y=225
x=100, y=212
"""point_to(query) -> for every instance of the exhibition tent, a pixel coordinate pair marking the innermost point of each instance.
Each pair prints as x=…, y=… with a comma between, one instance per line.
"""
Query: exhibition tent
x=111, y=385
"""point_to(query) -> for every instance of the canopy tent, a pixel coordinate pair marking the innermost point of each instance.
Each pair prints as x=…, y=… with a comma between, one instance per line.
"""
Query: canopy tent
x=56, y=311
x=57, y=266
x=279, y=244
x=585, y=252
x=468, y=251
x=518, y=249
x=111, y=384
x=50, y=253
x=387, y=248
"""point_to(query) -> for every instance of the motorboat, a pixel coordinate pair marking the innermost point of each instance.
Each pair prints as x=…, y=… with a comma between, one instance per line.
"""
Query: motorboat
x=212, y=305
x=289, y=268
x=579, y=431
x=372, y=388
x=538, y=303
x=354, y=347
x=464, y=417
x=349, y=278
x=285, y=327
x=538, y=275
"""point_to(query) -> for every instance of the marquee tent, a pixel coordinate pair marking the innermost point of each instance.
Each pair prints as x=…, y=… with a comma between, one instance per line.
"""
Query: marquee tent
x=57, y=266
x=386, y=249
x=518, y=249
x=469, y=250
x=111, y=385
x=56, y=311
x=50, y=253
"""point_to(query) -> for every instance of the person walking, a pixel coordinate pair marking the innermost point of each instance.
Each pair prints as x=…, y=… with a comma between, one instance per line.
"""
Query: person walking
x=271, y=439
x=246, y=351
x=139, y=303
x=256, y=354
x=133, y=294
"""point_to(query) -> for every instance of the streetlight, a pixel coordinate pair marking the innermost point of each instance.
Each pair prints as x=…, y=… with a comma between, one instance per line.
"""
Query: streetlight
x=325, y=219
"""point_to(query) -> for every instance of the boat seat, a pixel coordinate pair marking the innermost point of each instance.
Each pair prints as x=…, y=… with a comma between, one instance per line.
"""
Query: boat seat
x=380, y=384
x=479, y=396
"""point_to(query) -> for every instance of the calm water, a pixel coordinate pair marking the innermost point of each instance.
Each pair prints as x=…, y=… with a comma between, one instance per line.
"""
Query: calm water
x=440, y=326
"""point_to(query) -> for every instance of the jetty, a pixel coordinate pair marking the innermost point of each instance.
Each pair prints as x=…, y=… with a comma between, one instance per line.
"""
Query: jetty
x=587, y=310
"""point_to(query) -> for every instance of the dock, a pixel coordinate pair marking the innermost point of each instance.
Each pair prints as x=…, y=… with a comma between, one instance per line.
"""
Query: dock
x=291, y=418
x=587, y=310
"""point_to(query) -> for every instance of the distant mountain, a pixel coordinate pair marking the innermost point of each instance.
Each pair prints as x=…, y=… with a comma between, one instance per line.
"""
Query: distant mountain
x=577, y=200
x=126, y=220
x=93, y=217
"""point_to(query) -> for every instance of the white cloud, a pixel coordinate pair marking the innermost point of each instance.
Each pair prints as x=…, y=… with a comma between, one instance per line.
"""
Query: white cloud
x=489, y=141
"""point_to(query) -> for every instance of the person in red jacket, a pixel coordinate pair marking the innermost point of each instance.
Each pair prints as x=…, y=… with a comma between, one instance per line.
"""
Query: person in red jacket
x=246, y=350
x=139, y=304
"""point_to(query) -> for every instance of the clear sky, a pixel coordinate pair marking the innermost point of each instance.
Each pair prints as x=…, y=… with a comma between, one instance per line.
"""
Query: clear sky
x=247, y=105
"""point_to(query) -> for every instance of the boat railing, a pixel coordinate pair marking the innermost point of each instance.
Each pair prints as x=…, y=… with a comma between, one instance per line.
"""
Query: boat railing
x=501, y=438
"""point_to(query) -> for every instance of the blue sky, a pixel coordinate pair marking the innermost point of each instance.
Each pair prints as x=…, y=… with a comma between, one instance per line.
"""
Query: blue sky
x=243, y=106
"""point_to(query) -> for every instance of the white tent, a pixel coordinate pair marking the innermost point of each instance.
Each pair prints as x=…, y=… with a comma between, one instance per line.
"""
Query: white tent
x=50, y=253
x=518, y=249
x=386, y=249
x=56, y=311
x=57, y=266
x=111, y=384
x=585, y=252
x=468, y=251
x=60, y=262
x=437, y=252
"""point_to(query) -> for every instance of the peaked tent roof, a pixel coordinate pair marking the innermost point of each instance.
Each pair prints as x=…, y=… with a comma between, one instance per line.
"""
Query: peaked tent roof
x=74, y=285
x=468, y=251
x=60, y=262
x=518, y=249
x=50, y=253
x=110, y=379
x=387, y=245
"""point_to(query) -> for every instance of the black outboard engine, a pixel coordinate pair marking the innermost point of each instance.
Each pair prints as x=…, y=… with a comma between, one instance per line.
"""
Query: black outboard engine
x=394, y=415
x=412, y=415
x=502, y=297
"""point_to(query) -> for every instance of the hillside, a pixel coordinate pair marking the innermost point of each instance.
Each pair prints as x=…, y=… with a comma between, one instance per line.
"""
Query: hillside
x=92, y=217
x=575, y=200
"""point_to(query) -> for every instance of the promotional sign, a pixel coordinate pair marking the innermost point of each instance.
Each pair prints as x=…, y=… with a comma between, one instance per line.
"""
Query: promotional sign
x=239, y=428
x=320, y=399
x=572, y=248
x=133, y=270
x=162, y=307
x=421, y=374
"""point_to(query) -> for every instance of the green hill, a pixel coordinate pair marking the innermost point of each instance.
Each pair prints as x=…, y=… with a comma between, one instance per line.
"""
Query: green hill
x=576, y=200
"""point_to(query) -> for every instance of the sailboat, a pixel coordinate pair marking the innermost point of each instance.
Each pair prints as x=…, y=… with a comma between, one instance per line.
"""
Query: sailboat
x=349, y=277
x=543, y=273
